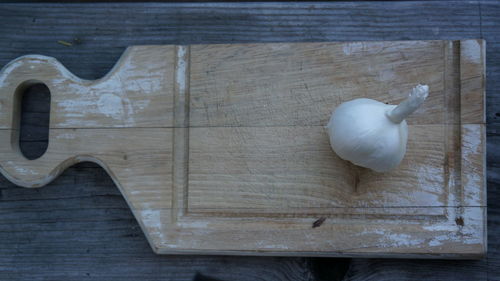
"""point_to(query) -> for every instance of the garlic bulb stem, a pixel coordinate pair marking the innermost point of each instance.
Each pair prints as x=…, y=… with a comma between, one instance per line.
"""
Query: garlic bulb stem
x=408, y=106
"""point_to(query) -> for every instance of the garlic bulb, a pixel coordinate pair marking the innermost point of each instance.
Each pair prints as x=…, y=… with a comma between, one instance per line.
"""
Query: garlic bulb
x=373, y=134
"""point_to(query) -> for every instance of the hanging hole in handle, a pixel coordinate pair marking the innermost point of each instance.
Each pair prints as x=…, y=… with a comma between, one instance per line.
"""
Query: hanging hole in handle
x=31, y=119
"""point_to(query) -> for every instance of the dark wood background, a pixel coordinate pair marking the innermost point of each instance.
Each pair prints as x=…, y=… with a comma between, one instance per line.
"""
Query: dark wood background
x=79, y=226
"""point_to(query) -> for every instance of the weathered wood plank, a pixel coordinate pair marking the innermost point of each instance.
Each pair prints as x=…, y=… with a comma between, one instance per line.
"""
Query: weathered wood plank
x=275, y=162
x=493, y=176
x=125, y=97
x=394, y=270
x=256, y=167
x=490, y=21
x=83, y=208
x=99, y=35
x=304, y=82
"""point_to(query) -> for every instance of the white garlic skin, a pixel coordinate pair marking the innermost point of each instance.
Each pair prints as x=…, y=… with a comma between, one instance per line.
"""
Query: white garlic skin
x=361, y=133
x=373, y=134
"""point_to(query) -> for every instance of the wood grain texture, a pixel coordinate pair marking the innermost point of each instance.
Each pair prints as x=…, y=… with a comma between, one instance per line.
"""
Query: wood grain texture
x=251, y=158
x=101, y=36
x=436, y=270
x=83, y=208
x=245, y=156
x=140, y=81
x=255, y=168
x=472, y=77
x=305, y=81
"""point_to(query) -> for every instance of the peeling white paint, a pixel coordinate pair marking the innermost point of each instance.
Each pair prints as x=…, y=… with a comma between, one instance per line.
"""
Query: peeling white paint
x=472, y=51
x=35, y=59
x=143, y=85
x=402, y=240
x=76, y=89
x=21, y=170
x=363, y=48
x=130, y=111
x=387, y=239
x=270, y=245
x=451, y=190
x=473, y=229
x=471, y=232
x=471, y=148
x=171, y=246
x=193, y=224
x=472, y=189
x=180, y=74
x=430, y=180
x=5, y=72
x=351, y=48
x=24, y=171
x=74, y=107
x=111, y=105
x=430, y=177
x=90, y=99
x=471, y=140
x=444, y=233
x=279, y=47
x=142, y=104
x=440, y=227
x=151, y=218
x=94, y=97
x=67, y=136
x=438, y=240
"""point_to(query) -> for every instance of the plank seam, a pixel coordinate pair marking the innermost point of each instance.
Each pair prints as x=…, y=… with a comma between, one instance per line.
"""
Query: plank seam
x=180, y=144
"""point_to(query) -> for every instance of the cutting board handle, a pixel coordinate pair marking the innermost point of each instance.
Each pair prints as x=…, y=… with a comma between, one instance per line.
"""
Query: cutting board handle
x=15, y=78
x=105, y=121
x=24, y=72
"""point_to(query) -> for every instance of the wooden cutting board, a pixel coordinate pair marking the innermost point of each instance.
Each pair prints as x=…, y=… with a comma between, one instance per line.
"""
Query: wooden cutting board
x=221, y=149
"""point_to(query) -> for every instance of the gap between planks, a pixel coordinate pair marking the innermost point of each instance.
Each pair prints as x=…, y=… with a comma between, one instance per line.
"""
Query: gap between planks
x=180, y=149
x=453, y=164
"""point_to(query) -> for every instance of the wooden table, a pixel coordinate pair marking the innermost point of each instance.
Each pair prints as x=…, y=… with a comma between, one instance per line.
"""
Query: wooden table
x=79, y=226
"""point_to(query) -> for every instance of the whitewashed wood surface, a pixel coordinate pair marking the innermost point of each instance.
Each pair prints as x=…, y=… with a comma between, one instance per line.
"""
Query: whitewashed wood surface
x=93, y=211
